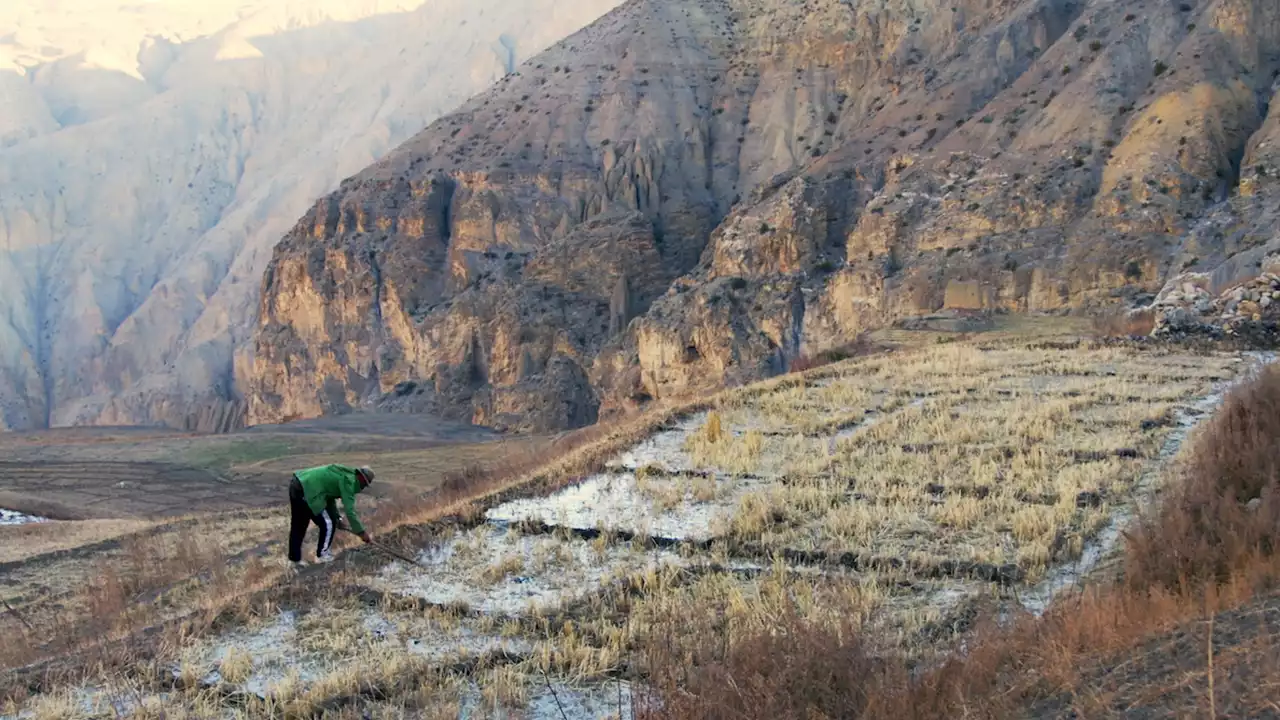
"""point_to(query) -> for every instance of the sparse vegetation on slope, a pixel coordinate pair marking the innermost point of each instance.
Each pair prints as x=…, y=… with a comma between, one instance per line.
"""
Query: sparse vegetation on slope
x=966, y=157
x=1189, y=628
x=1000, y=456
x=601, y=620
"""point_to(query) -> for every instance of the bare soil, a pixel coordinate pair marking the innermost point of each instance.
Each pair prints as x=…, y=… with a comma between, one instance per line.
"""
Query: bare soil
x=110, y=472
x=85, y=490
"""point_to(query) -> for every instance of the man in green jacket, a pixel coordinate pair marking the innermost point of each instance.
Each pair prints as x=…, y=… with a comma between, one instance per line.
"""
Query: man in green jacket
x=312, y=496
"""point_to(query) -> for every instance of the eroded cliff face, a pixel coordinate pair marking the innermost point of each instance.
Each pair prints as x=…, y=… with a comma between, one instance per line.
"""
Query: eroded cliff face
x=499, y=336
x=687, y=195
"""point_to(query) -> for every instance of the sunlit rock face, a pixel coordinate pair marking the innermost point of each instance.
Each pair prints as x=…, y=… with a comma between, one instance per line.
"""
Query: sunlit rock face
x=676, y=197
x=152, y=154
x=759, y=180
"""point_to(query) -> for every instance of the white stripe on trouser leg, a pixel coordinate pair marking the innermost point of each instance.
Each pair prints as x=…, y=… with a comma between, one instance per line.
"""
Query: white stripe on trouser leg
x=328, y=532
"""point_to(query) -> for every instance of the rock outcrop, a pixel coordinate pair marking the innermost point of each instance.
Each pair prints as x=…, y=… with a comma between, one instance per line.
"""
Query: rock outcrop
x=1249, y=312
x=686, y=195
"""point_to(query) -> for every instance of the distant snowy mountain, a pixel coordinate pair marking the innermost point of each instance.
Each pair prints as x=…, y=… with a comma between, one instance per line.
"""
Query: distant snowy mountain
x=152, y=153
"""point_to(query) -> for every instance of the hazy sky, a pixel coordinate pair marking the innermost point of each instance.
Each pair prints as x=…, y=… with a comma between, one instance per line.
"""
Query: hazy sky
x=110, y=33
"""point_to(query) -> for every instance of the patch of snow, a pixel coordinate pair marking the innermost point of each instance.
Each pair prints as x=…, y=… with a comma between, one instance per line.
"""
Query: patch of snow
x=94, y=701
x=595, y=702
x=277, y=658
x=463, y=642
x=664, y=449
x=272, y=648
x=442, y=644
x=13, y=517
x=616, y=502
x=275, y=654
x=496, y=571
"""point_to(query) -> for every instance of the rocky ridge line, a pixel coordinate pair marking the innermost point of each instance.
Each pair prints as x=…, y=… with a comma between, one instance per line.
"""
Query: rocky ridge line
x=684, y=196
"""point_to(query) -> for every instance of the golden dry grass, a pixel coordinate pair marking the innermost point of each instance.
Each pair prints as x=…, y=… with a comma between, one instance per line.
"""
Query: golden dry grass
x=975, y=452
x=20, y=542
x=1137, y=646
x=65, y=602
x=1013, y=455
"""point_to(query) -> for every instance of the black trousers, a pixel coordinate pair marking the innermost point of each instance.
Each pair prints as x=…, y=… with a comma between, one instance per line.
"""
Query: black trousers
x=300, y=516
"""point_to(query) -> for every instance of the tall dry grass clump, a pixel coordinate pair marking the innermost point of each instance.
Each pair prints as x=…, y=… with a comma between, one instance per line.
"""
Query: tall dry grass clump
x=1225, y=512
x=801, y=669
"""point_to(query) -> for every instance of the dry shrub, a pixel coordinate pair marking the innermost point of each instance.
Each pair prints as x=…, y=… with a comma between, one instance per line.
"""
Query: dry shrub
x=123, y=588
x=798, y=668
x=1204, y=530
x=1123, y=324
x=801, y=363
x=462, y=481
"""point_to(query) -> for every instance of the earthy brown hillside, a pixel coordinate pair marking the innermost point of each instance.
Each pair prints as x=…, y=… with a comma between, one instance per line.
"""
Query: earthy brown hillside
x=687, y=194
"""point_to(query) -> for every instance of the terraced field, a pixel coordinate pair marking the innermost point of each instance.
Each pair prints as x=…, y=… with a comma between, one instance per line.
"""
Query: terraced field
x=115, y=489
x=899, y=495
x=111, y=473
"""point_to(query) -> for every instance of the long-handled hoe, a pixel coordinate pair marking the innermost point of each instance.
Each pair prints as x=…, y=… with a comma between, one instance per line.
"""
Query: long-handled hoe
x=392, y=552
x=17, y=615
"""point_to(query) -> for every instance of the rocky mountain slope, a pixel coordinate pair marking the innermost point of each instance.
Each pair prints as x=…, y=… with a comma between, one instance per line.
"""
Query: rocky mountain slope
x=687, y=194
x=152, y=154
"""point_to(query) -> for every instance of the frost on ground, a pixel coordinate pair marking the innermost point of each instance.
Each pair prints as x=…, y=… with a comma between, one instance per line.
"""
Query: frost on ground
x=952, y=456
x=664, y=449
x=87, y=702
x=1003, y=462
x=256, y=659
x=656, y=488
x=12, y=517
x=504, y=572
x=288, y=653
x=646, y=505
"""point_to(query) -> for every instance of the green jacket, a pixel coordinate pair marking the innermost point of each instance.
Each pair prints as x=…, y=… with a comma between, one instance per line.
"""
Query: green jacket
x=321, y=486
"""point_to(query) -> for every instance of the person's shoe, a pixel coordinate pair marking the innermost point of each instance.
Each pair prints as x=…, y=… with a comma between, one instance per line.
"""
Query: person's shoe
x=324, y=557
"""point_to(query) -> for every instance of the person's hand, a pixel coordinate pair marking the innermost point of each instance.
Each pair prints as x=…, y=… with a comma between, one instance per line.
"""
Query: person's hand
x=365, y=536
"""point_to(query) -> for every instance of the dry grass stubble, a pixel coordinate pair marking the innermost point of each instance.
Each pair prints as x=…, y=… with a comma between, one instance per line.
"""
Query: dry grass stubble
x=1106, y=650
x=789, y=648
